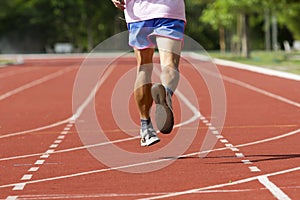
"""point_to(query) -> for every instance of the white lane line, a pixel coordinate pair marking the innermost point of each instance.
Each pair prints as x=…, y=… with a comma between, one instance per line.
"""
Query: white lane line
x=137, y=137
x=12, y=73
x=70, y=125
x=228, y=145
x=254, y=169
x=234, y=149
x=239, y=155
x=261, y=91
x=60, y=137
x=67, y=128
x=33, y=169
x=71, y=120
x=6, y=135
x=52, y=146
x=19, y=186
x=224, y=141
x=141, y=164
x=115, y=195
x=26, y=177
x=50, y=151
x=251, y=87
x=34, y=83
x=247, y=162
x=64, y=132
x=212, y=128
x=219, y=136
x=45, y=156
x=222, y=185
x=12, y=198
x=276, y=191
x=39, y=162
x=269, y=72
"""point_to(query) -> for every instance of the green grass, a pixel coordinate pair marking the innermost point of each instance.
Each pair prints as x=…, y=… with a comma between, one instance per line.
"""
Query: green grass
x=282, y=61
x=4, y=62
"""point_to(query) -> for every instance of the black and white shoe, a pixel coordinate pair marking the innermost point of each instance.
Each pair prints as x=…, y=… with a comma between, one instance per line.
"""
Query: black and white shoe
x=148, y=137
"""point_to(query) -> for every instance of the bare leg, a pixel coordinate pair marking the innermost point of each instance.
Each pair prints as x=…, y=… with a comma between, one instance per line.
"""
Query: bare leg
x=142, y=88
x=169, y=51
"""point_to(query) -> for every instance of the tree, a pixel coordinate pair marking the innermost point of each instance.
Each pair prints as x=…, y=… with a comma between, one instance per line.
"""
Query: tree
x=222, y=13
x=218, y=16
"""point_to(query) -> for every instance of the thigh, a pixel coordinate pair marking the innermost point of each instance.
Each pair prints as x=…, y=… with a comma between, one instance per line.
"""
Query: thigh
x=169, y=51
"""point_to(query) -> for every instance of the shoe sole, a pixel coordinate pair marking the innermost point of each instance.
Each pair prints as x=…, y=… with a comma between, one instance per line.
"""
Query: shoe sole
x=163, y=114
x=151, y=141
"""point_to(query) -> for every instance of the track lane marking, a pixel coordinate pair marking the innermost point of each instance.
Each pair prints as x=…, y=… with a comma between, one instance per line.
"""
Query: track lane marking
x=26, y=177
x=253, y=178
x=136, y=137
x=12, y=73
x=260, y=70
x=150, y=162
x=276, y=191
x=261, y=91
x=99, y=195
x=251, y=87
x=35, y=83
x=212, y=129
x=59, y=123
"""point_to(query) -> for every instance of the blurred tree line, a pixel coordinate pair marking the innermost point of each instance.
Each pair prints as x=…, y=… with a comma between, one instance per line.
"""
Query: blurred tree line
x=228, y=25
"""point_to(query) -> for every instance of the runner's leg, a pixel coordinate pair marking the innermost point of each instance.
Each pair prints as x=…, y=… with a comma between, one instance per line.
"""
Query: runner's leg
x=143, y=83
x=169, y=51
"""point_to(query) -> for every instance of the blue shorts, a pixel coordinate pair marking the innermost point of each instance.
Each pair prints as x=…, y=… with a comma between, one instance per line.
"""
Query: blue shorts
x=142, y=34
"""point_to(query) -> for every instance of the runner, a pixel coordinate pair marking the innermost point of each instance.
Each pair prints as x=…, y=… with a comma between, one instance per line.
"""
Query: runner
x=155, y=23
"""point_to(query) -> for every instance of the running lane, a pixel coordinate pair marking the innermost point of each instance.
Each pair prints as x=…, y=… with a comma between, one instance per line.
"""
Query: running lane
x=256, y=147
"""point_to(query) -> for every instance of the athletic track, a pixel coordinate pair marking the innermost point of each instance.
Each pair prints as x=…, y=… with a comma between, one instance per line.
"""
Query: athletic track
x=256, y=155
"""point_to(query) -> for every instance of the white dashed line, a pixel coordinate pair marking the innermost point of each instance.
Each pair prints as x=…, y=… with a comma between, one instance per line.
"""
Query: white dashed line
x=224, y=141
x=70, y=125
x=39, y=162
x=67, y=128
x=12, y=198
x=19, y=186
x=26, y=177
x=53, y=146
x=239, y=155
x=212, y=128
x=44, y=156
x=234, y=149
x=50, y=151
x=228, y=145
x=247, y=162
x=33, y=169
x=254, y=169
x=61, y=137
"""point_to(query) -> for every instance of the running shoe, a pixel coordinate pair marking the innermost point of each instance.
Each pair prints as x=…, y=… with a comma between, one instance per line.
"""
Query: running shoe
x=163, y=113
x=149, y=137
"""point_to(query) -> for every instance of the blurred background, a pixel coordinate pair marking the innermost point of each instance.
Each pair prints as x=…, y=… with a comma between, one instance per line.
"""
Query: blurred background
x=238, y=27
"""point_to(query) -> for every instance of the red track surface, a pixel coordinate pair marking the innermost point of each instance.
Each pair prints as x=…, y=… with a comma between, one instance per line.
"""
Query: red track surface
x=257, y=153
